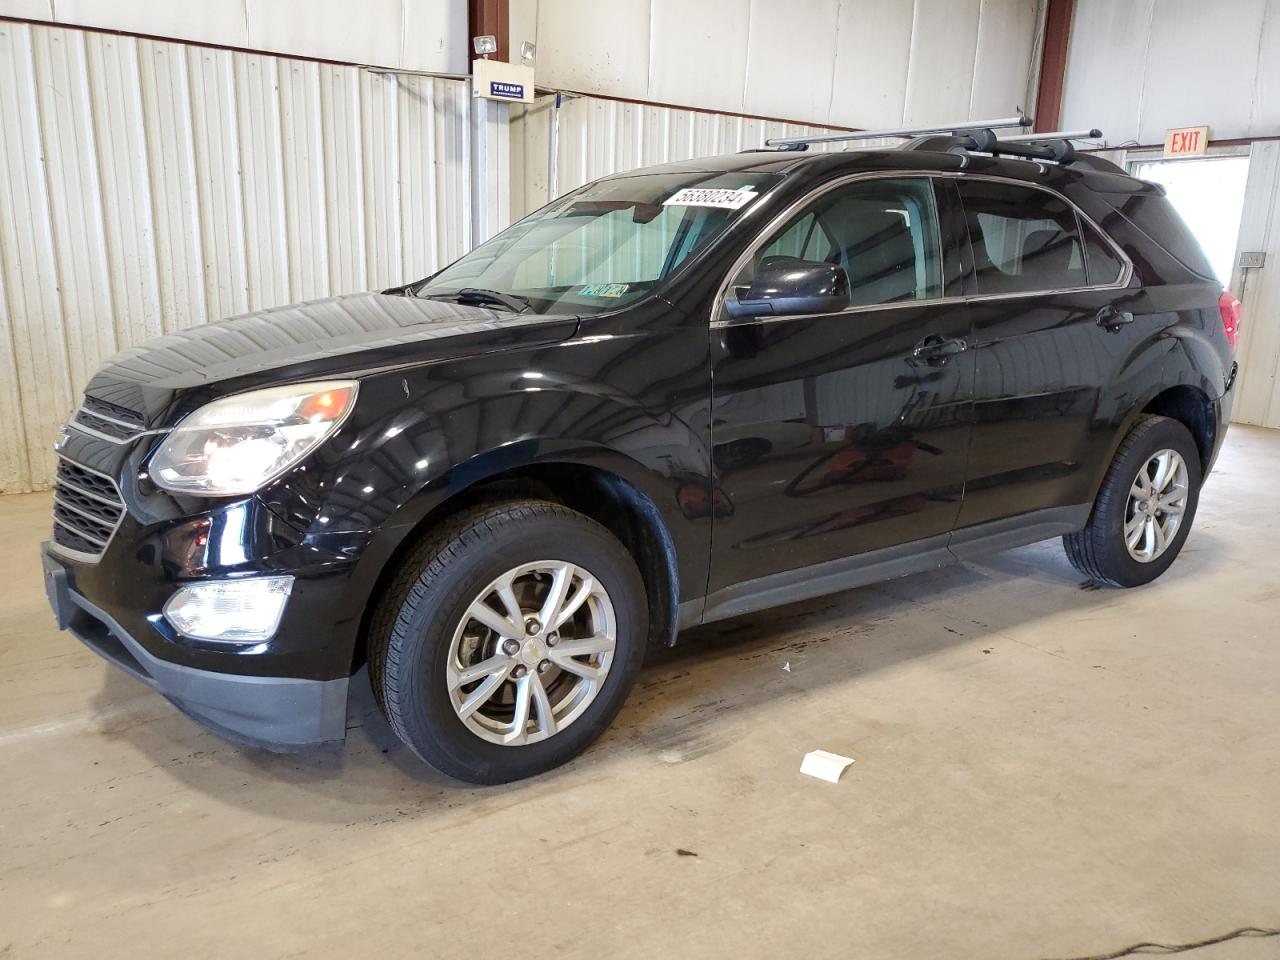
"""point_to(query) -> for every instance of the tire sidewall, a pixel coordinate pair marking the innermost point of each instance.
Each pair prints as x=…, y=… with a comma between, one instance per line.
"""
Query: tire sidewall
x=432, y=727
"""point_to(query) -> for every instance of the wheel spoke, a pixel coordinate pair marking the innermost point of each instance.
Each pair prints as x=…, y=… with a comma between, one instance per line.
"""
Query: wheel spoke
x=495, y=664
x=483, y=693
x=506, y=593
x=1149, y=537
x=542, y=706
x=1164, y=470
x=583, y=646
x=573, y=604
x=1133, y=530
x=1161, y=539
x=1174, y=507
x=561, y=580
x=520, y=721
x=484, y=614
x=563, y=655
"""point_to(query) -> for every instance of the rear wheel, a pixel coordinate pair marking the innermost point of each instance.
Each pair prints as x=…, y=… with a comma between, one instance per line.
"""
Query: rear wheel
x=509, y=641
x=1144, y=510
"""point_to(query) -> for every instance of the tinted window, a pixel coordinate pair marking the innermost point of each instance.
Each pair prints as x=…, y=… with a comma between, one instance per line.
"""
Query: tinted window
x=608, y=244
x=1023, y=239
x=1104, y=265
x=1155, y=216
x=884, y=233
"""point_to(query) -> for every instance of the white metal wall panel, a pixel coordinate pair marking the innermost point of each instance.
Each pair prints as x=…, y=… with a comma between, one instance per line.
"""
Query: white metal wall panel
x=1258, y=386
x=859, y=63
x=1136, y=68
x=149, y=186
x=598, y=137
x=790, y=56
x=1190, y=78
x=703, y=54
x=873, y=40
x=944, y=43
x=1002, y=65
x=425, y=35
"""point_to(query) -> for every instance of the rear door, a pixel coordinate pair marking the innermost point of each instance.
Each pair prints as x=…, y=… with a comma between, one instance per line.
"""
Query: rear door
x=840, y=433
x=1051, y=331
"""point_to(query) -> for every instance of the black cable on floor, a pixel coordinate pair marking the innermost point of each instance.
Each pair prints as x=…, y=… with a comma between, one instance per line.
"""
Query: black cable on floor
x=1167, y=948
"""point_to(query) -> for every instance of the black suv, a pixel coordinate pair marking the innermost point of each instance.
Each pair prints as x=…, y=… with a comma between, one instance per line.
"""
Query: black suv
x=674, y=395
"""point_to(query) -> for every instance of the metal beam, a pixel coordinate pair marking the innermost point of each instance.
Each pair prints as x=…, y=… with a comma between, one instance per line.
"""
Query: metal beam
x=1053, y=63
x=490, y=18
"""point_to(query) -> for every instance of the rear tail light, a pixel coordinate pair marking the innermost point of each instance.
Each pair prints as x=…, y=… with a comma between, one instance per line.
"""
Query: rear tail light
x=1229, y=307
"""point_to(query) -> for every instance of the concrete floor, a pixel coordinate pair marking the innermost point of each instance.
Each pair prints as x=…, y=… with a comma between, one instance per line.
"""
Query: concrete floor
x=1043, y=769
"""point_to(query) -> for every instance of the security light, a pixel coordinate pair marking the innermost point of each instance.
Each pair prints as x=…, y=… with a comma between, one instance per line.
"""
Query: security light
x=485, y=45
x=528, y=52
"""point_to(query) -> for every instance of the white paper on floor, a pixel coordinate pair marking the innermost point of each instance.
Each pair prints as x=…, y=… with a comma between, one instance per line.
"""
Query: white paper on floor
x=787, y=666
x=824, y=765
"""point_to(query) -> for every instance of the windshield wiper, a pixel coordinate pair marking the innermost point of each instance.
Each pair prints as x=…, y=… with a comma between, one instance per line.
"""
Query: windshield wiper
x=475, y=295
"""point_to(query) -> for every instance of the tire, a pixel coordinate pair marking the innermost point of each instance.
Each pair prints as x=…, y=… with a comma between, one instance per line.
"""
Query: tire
x=1100, y=551
x=423, y=634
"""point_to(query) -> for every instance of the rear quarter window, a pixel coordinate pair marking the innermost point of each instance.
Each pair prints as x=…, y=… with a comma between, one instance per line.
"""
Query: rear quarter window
x=1155, y=217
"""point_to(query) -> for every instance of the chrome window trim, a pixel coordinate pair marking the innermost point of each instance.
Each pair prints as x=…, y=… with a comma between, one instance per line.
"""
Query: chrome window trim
x=717, y=309
x=79, y=555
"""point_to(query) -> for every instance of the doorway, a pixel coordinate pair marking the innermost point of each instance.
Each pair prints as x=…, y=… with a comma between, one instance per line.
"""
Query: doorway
x=1208, y=192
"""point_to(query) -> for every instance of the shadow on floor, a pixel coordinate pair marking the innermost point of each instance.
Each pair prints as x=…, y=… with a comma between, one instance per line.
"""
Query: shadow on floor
x=689, y=701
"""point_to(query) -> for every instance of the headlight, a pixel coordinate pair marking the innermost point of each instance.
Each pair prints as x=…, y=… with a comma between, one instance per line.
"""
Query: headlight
x=241, y=443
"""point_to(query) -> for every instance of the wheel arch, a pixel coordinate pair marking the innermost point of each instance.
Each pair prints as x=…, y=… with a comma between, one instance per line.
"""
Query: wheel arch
x=602, y=484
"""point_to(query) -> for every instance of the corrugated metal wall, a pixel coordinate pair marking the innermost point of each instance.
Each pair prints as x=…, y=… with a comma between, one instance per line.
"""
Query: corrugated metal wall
x=1258, y=388
x=598, y=136
x=1138, y=67
x=148, y=186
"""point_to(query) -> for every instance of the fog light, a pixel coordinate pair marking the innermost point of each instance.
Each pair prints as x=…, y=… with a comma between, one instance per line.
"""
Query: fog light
x=230, y=611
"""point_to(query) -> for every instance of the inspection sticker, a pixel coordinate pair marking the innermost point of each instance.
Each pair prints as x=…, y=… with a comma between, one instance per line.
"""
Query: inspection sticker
x=603, y=289
x=711, y=197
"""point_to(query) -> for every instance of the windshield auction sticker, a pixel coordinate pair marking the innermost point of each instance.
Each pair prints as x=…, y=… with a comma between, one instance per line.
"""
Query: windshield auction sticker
x=711, y=197
x=612, y=290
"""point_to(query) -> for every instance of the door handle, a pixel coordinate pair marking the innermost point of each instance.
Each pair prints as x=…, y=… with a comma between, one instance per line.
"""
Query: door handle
x=936, y=350
x=1111, y=319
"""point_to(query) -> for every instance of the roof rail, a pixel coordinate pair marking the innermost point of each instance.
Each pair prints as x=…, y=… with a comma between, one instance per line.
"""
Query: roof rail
x=802, y=143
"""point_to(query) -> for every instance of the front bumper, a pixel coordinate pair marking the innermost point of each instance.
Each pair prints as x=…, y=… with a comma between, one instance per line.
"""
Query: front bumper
x=278, y=713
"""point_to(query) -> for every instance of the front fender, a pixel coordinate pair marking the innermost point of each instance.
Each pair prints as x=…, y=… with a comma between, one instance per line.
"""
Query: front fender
x=443, y=429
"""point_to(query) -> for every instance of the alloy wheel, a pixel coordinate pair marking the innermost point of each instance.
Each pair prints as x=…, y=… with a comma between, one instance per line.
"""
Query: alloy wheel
x=1157, y=503
x=531, y=652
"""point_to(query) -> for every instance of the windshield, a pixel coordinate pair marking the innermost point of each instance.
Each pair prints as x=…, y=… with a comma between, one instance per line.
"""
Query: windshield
x=602, y=247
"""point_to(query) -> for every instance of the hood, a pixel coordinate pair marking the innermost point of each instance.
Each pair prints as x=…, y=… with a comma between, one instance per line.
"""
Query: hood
x=341, y=336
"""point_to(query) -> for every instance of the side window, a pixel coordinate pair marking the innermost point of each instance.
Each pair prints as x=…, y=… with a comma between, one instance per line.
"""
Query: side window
x=1104, y=266
x=1023, y=239
x=884, y=233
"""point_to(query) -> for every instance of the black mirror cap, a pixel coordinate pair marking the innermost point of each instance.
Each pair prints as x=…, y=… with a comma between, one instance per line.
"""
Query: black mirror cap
x=791, y=285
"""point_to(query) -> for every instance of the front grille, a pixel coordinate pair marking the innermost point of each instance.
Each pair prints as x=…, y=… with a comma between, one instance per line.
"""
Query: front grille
x=108, y=420
x=86, y=510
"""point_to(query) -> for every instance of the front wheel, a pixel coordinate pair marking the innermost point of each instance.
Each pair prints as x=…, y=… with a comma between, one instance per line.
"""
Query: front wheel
x=1145, y=508
x=509, y=641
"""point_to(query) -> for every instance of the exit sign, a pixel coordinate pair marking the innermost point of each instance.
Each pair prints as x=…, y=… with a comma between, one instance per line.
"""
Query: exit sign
x=1186, y=142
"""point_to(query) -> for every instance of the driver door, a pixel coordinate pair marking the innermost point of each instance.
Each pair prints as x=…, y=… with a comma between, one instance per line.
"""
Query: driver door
x=840, y=435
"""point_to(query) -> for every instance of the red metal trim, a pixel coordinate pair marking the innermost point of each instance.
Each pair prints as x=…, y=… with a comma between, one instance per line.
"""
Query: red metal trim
x=1053, y=64
x=490, y=18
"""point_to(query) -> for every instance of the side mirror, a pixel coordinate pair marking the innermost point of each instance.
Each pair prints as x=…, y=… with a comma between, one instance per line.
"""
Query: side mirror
x=785, y=285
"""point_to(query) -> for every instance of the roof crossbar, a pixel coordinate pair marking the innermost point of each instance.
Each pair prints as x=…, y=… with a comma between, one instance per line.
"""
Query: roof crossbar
x=800, y=143
x=1092, y=134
